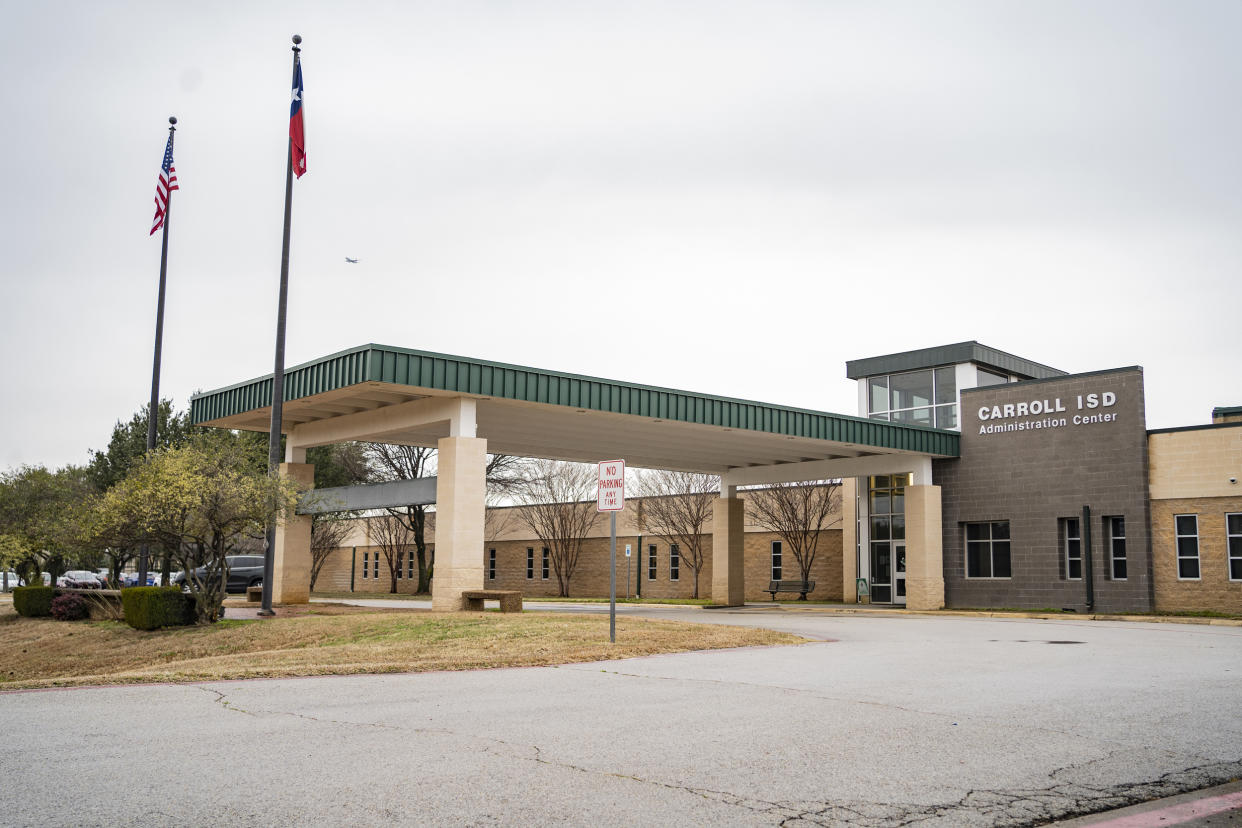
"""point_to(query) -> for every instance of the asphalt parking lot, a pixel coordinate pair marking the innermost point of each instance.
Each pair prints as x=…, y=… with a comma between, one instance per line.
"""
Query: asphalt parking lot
x=940, y=721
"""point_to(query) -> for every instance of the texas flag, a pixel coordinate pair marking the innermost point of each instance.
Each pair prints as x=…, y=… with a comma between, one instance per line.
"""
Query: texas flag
x=296, y=136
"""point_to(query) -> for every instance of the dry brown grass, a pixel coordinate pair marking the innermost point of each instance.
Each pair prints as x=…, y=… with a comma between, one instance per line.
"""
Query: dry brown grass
x=329, y=640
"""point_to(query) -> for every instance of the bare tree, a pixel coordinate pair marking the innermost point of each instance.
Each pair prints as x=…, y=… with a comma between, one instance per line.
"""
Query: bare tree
x=556, y=500
x=394, y=538
x=798, y=512
x=327, y=533
x=391, y=462
x=676, y=506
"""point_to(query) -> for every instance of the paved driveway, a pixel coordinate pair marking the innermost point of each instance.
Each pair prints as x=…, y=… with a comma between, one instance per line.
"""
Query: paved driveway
x=883, y=720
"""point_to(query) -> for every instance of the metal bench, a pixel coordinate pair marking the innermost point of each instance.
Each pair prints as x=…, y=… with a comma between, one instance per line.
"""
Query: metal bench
x=510, y=599
x=802, y=587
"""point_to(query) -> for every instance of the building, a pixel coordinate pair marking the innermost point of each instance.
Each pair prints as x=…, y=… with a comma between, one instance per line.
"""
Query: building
x=970, y=477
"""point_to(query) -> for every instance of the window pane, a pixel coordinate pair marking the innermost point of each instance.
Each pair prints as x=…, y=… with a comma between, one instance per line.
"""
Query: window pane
x=1188, y=568
x=1119, y=569
x=915, y=416
x=882, y=594
x=1188, y=547
x=1000, y=530
x=1074, y=569
x=877, y=395
x=879, y=528
x=881, y=563
x=1071, y=527
x=1234, y=522
x=978, y=561
x=899, y=502
x=946, y=416
x=976, y=531
x=899, y=528
x=1235, y=569
x=1187, y=525
x=880, y=504
x=1118, y=527
x=1000, y=560
x=987, y=377
x=911, y=390
x=946, y=384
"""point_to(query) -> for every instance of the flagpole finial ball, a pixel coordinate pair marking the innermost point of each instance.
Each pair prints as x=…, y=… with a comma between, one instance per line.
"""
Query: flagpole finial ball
x=172, y=119
x=297, y=39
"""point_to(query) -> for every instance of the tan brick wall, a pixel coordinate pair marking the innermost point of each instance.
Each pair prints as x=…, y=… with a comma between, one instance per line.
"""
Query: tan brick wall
x=1196, y=463
x=335, y=574
x=510, y=537
x=1213, y=591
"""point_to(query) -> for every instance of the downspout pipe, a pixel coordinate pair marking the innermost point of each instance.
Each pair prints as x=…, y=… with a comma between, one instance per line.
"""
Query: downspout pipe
x=1088, y=560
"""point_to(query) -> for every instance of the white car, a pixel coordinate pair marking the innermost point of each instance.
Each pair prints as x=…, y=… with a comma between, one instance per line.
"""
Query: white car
x=13, y=581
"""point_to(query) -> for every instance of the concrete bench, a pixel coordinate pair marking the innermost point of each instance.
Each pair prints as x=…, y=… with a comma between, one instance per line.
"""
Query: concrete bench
x=510, y=599
x=790, y=586
x=254, y=593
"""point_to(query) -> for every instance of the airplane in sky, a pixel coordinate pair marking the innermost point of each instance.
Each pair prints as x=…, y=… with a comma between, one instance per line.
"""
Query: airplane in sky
x=351, y=261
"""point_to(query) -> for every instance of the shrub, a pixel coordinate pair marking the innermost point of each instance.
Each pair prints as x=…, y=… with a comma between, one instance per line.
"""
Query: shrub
x=33, y=601
x=69, y=607
x=149, y=608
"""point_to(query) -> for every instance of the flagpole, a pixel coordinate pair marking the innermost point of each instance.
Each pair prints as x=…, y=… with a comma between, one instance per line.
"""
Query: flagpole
x=278, y=372
x=153, y=411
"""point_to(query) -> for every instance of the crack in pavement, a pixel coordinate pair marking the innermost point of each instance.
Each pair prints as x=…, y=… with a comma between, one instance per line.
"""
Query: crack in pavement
x=995, y=807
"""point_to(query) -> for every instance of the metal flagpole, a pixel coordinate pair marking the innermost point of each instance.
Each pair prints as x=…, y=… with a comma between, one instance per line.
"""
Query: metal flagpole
x=153, y=411
x=278, y=372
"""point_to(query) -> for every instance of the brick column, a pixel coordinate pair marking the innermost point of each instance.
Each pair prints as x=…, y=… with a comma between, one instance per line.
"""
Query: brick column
x=924, y=555
x=728, y=527
x=461, y=487
x=291, y=564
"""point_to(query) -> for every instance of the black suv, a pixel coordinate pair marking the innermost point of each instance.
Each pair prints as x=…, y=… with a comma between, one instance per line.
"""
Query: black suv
x=243, y=571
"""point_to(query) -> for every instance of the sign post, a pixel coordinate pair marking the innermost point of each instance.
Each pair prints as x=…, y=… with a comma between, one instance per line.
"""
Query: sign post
x=627, y=571
x=611, y=499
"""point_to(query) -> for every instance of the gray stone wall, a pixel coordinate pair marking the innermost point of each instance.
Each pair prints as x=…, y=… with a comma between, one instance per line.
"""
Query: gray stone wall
x=1033, y=467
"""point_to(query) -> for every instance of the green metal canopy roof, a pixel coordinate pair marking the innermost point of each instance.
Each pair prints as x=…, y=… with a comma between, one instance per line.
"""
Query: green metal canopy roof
x=371, y=376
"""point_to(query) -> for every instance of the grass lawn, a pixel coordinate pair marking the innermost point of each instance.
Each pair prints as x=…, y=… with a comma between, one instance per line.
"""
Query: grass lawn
x=328, y=639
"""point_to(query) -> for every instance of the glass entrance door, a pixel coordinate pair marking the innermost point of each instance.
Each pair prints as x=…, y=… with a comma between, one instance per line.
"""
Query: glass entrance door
x=881, y=572
x=899, y=573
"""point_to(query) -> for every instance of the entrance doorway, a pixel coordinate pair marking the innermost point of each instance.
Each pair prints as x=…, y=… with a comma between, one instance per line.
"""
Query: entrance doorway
x=887, y=531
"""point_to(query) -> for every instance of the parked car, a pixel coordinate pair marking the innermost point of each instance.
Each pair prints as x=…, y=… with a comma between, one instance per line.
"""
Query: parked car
x=13, y=581
x=130, y=579
x=243, y=571
x=79, y=579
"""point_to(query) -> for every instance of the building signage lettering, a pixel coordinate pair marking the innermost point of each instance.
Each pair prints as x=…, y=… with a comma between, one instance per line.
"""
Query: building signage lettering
x=1048, y=409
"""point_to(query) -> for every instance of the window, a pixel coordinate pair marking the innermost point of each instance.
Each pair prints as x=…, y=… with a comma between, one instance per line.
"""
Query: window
x=986, y=378
x=1187, y=528
x=375, y=565
x=1071, y=543
x=400, y=563
x=776, y=560
x=927, y=397
x=1233, y=540
x=547, y=563
x=491, y=564
x=1116, y=527
x=366, y=563
x=674, y=563
x=530, y=563
x=987, y=550
x=651, y=562
x=409, y=563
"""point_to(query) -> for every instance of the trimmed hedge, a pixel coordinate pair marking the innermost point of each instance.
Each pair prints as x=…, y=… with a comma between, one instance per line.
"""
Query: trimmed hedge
x=33, y=601
x=149, y=608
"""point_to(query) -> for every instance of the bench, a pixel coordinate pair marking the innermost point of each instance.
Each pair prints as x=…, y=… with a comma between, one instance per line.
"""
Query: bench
x=254, y=593
x=790, y=586
x=510, y=599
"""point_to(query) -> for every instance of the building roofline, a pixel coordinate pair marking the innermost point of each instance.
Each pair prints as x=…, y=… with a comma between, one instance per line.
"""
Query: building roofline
x=1102, y=372
x=953, y=354
x=1203, y=427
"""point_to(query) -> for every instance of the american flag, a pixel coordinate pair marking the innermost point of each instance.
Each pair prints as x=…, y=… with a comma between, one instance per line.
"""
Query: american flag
x=167, y=183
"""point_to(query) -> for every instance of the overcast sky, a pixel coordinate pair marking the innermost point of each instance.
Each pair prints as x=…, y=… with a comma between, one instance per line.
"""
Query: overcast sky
x=726, y=197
